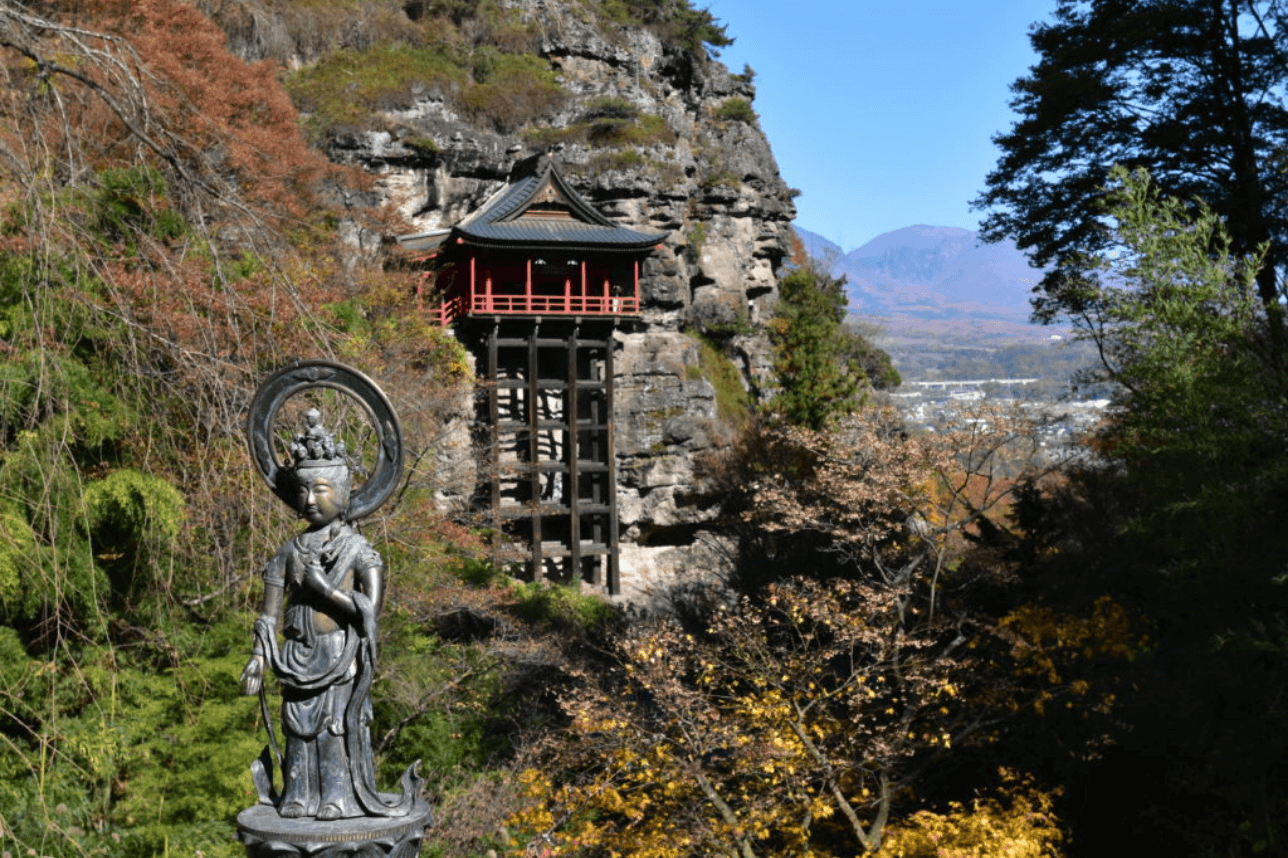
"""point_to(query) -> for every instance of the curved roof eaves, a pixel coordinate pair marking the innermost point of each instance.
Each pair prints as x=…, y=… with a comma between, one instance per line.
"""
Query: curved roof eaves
x=556, y=232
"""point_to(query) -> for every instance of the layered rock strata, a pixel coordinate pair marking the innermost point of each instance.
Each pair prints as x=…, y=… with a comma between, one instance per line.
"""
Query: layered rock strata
x=705, y=174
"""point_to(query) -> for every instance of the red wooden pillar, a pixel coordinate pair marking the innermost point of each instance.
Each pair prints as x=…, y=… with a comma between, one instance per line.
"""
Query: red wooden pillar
x=527, y=293
x=473, y=278
x=582, y=295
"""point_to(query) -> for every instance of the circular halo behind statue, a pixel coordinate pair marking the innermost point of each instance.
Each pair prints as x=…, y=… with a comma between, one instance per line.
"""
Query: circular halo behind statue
x=305, y=375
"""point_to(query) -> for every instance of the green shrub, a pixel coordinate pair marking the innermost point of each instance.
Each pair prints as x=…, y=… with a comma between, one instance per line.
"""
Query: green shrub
x=622, y=159
x=608, y=126
x=561, y=606
x=544, y=137
x=609, y=120
x=610, y=108
x=132, y=519
x=650, y=129
x=722, y=178
x=698, y=236
x=455, y=11
x=737, y=110
x=511, y=90
x=134, y=200
x=676, y=23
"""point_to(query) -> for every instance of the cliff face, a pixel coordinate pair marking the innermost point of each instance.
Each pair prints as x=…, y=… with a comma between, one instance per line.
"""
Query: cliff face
x=657, y=137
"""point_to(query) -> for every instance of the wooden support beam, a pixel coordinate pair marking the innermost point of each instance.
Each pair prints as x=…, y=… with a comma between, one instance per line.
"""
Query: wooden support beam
x=614, y=580
x=494, y=436
x=597, y=494
x=572, y=455
x=534, y=446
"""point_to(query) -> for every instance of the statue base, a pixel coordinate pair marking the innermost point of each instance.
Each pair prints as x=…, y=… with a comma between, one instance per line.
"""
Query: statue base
x=268, y=835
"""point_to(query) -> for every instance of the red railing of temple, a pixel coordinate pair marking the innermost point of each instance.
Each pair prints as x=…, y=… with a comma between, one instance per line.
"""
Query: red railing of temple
x=571, y=305
x=450, y=310
x=537, y=305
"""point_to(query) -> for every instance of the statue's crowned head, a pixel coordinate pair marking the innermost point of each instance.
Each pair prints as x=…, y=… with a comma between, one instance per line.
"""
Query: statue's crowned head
x=320, y=471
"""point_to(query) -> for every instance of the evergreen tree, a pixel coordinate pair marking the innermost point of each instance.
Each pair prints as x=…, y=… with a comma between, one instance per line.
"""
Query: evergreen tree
x=823, y=367
x=1191, y=91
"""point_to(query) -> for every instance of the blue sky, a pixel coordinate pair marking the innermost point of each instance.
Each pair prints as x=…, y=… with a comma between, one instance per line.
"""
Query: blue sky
x=882, y=114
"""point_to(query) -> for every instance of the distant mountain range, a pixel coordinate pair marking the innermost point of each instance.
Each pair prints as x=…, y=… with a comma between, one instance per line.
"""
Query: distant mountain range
x=928, y=279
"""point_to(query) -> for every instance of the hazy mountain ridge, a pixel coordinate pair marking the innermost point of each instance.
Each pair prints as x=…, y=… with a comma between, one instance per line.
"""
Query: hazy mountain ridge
x=935, y=278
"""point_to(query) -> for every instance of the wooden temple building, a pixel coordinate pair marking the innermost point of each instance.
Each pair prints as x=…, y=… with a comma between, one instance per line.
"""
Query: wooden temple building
x=534, y=283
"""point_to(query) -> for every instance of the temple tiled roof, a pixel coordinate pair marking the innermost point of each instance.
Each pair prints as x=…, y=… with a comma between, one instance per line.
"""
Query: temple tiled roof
x=538, y=209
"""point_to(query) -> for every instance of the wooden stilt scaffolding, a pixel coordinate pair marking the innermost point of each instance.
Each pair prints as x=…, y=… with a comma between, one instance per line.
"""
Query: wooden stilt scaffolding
x=547, y=420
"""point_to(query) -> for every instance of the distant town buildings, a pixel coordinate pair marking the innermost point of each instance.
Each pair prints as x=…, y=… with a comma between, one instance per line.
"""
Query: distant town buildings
x=930, y=406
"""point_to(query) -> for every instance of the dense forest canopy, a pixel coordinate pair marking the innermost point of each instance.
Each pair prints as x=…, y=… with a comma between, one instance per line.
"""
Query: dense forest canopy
x=925, y=644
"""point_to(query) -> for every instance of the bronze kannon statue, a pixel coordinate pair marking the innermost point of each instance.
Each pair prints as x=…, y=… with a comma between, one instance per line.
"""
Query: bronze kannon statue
x=322, y=595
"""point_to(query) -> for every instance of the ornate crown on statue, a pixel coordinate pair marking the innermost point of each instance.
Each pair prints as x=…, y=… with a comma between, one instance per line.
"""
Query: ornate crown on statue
x=315, y=447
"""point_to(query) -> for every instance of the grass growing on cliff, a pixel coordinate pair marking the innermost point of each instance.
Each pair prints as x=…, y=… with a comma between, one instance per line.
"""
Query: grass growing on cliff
x=344, y=88
x=733, y=405
x=492, y=78
x=608, y=122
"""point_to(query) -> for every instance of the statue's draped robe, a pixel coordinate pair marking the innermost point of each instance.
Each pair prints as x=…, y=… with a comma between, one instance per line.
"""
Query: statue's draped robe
x=325, y=668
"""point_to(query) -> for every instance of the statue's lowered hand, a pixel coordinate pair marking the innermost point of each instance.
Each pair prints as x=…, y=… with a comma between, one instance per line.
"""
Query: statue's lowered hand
x=252, y=678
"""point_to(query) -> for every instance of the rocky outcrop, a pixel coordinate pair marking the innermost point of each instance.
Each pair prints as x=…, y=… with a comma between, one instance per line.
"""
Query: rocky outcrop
x=695, y=163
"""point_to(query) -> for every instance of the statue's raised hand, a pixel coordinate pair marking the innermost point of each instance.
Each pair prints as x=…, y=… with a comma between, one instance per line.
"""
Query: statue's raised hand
x=315, y=577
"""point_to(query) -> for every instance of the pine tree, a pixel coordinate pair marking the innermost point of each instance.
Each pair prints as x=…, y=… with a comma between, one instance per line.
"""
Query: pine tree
x=818, y=374
x=1189, y=90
